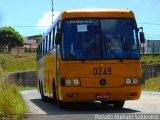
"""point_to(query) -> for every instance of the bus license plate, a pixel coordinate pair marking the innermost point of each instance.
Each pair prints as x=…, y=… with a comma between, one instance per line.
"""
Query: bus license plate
x=102, y=95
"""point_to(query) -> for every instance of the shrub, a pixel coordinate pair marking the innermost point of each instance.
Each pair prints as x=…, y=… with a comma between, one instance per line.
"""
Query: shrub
x=11, y=102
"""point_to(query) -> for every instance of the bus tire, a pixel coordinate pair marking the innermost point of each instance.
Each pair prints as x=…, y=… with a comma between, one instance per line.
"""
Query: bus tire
x=118, y=104
x=43, y=97
x=54, y=91
x=39, y=87
x=61, y=104
x=104, y=103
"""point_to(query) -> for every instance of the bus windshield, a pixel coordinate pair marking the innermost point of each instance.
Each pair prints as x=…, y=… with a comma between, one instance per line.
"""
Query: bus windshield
x=100, y=39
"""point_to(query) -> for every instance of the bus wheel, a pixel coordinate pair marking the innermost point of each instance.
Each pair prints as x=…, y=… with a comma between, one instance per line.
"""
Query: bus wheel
x=104, y=102
x=54, y=91
x=61, y=104
x=39, y=87
x=44, y=98
x=118, y=104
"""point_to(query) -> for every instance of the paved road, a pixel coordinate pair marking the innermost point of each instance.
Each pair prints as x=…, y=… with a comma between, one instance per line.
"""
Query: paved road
x=39, y=110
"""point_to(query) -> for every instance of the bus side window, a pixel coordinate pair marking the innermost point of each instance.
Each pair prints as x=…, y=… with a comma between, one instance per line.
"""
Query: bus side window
x=39, y=51
x=53, y=37
x=59, y=24
x=55, y=31
x=50, y=41
x=44, y=46
x=46, y=43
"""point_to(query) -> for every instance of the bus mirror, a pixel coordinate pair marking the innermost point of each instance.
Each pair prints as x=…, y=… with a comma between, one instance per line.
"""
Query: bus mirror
x=58, y=37
x=142, y=37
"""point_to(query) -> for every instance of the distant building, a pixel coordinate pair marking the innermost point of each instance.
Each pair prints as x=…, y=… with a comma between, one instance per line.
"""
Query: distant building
x=29, y=40
x=30, y=45
x=152, y=45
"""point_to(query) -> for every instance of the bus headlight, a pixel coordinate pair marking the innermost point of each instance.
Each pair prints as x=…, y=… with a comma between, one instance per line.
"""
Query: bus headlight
x=68, y=82
x=128, y=81
x=76, y=82
x=135, y=81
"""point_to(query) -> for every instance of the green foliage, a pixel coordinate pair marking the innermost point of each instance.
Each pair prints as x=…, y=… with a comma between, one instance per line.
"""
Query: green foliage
x=10, y=37
x=11, y=63
x=152, y=84
x=11, y=102
x=150, y=59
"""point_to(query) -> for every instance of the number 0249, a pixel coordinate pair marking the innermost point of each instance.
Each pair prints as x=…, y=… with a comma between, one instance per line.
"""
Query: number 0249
x=102, y=71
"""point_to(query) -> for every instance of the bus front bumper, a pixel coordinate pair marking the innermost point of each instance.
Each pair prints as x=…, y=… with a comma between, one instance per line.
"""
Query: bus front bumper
x=80, y=94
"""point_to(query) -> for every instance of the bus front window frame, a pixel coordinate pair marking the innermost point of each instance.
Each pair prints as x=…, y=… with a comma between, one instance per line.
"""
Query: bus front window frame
x=132, y=53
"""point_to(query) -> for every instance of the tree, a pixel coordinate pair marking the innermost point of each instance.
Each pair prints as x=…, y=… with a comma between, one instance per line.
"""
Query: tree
x=10, y=38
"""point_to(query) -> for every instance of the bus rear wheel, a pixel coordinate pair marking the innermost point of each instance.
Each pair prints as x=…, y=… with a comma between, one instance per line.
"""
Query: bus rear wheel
x=104, y=102
x=118, y=104
x=54, y=91
x=43, y=97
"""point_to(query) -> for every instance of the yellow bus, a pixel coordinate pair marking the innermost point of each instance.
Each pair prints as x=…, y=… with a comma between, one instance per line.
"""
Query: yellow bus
x=91, y=55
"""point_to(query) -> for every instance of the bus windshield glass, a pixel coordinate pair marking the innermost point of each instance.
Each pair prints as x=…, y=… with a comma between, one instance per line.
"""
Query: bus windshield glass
x=100, y=39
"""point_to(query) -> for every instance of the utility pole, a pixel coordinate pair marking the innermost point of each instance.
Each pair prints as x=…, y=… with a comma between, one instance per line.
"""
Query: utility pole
x=52, y=9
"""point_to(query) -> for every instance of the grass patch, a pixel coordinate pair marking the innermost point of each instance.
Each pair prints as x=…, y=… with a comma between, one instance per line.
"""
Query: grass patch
x=11, y=102
x=152, y=84
x=150, y=59
x=13, y=63
x=26, y=88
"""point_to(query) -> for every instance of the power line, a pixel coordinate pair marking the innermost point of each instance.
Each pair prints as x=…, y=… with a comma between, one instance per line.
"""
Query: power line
x=152, y=38
x=151, y=34
x=24, y=26
x=149, y=23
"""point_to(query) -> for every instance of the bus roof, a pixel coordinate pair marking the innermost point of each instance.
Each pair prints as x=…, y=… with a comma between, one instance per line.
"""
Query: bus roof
x=97, y=10
x=112, y=13
x=92, y=13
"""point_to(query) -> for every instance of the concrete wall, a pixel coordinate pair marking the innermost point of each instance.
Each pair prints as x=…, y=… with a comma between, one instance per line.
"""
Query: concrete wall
x=26, y=78
x=150, y=71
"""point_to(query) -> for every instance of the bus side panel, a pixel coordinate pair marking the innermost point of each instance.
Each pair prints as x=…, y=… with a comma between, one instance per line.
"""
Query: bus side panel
x=50, y=73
